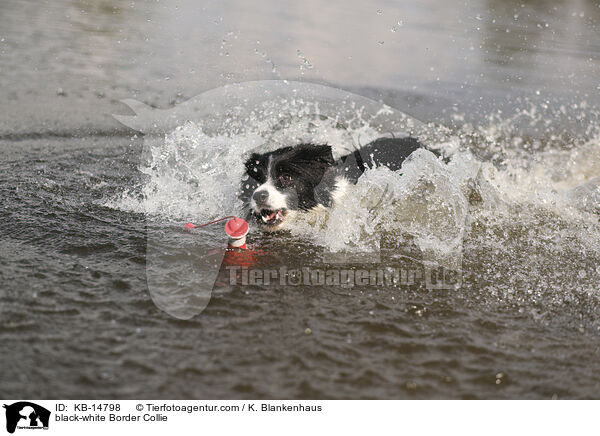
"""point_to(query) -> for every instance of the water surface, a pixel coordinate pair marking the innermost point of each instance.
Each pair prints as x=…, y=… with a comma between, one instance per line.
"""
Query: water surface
x=514, y=83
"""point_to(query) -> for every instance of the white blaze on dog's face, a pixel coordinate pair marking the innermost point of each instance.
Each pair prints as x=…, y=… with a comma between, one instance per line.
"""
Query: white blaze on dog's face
x=289, y=180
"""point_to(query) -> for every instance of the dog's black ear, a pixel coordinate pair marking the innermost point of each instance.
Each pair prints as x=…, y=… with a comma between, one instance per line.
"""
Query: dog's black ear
x=252, y=161
x=256, y=167
x=319, y=153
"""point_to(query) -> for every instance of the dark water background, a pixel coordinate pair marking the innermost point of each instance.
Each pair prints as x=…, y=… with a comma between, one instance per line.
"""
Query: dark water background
x=76, y=319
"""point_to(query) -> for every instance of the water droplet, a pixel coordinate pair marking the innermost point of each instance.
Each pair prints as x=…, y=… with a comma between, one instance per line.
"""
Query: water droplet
x=397, y=26
x=305, y=65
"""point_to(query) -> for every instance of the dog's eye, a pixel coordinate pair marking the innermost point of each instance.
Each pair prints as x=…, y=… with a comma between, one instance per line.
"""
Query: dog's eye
x=285, y=179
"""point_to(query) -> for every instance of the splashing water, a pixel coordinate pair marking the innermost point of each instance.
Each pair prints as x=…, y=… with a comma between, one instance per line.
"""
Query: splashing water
x=518, y=213
x=191, y=174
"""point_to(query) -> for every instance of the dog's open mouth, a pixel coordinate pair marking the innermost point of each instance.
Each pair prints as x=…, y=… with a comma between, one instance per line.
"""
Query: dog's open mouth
x=270, y=217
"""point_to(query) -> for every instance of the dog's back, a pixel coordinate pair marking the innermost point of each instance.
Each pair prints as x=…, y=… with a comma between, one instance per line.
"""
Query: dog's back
x=389, y=152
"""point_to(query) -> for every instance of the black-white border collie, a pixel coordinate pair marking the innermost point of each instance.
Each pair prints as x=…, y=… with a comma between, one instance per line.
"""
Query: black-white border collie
x=303, y=178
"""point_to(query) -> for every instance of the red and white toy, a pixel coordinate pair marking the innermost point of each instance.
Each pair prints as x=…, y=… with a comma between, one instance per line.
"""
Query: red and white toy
x=236, y=228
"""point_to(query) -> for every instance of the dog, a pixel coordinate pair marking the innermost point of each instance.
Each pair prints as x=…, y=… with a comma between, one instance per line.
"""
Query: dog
x=305, y=178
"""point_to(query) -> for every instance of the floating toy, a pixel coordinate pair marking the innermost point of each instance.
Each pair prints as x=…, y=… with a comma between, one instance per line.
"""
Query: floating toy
x=237, y=252
x=236, y=228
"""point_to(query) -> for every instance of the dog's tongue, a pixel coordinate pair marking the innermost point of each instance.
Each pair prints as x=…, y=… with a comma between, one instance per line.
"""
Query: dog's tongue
x=272, y=216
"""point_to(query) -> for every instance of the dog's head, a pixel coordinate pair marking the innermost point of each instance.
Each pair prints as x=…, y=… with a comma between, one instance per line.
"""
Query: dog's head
x=288, y=180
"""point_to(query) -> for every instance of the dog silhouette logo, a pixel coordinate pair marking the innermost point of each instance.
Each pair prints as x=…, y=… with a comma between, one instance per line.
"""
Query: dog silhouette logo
x=26, y=415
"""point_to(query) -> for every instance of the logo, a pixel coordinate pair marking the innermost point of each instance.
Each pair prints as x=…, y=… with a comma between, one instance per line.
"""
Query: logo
x=26, y=415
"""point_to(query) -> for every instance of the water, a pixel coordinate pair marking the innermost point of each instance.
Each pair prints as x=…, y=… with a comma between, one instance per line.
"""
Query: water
x=509, y=89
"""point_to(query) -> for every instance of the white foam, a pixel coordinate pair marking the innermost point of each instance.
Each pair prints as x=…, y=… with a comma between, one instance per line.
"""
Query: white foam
x=190, y=175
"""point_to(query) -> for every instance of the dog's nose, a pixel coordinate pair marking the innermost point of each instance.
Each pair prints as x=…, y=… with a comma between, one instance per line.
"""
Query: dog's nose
x=260, y=197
